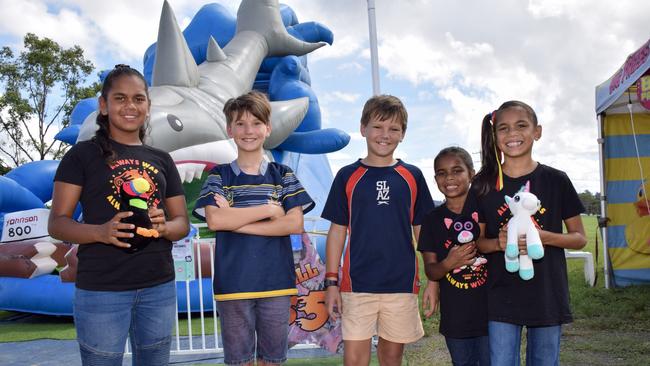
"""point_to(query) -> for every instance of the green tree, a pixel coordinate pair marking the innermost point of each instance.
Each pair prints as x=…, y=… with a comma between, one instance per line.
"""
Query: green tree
x=591, y=202
x=40, y=86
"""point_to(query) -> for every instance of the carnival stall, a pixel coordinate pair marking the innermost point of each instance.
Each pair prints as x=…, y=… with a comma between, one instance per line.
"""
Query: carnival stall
x=623, y=109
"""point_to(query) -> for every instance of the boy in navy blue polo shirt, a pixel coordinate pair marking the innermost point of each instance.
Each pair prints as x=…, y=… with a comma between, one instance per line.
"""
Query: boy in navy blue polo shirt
x=253, y=205
x=379, y=202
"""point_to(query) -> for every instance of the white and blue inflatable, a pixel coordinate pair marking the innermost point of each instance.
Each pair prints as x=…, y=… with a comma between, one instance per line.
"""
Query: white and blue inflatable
x=212, y=60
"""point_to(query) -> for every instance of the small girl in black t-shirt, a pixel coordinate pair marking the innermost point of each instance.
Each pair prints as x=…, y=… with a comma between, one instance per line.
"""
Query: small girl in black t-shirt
x=541, y=303
x=447, y=242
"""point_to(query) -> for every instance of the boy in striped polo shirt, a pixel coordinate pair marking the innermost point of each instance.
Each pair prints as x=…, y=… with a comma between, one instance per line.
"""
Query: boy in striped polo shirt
x=253, y=205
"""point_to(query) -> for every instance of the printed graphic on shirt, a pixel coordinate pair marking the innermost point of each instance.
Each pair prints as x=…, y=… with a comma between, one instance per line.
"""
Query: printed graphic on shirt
x=462, y=230
x=135, y=177
x=383, y=193
x=467, y=277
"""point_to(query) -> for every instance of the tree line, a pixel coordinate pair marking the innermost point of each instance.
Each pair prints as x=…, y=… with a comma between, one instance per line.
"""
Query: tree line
x=39, y=87
x=591, y=201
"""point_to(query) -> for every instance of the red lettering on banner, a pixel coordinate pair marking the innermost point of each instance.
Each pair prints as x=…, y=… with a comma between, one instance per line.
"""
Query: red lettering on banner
x=632, y=64
x=616, y=81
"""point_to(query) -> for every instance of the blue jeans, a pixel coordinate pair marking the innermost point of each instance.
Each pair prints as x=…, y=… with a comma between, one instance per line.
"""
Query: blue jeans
x=104, y=319
x=247, y=325
x=542, y=344
x=473, y=351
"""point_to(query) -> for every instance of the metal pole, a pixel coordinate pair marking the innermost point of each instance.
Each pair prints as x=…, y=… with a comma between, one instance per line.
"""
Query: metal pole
x=603, y=200
x=374, y=58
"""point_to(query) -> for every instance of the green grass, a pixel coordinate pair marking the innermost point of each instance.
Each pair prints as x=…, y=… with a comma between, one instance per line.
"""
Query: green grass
x=16, y=327
x=611, y=327
x=32, y=327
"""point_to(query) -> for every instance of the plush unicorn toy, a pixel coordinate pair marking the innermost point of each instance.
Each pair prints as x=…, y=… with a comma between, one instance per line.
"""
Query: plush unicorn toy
x=523, y=205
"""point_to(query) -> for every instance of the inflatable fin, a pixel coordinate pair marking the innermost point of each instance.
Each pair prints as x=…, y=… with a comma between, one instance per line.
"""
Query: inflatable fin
x=285, y=117
x=263, y=17
x=174, y=63
x=214, y=53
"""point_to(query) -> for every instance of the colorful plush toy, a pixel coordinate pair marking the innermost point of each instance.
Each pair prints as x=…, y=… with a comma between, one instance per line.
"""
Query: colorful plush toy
x=522, y=206
x=463, y=230
x=132, y=194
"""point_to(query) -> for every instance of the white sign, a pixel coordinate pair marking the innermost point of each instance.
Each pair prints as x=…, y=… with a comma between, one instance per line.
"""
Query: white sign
x=183, y=254
x=22, y=225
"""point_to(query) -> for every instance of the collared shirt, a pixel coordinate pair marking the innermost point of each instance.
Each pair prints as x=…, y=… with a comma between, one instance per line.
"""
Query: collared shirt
x=379, y=206
x=264, y=165
x=253, y=266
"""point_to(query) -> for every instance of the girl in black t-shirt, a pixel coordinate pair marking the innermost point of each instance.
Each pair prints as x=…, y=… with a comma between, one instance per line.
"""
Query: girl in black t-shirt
x=541, y=303
x=448, y=247
x=121, y=289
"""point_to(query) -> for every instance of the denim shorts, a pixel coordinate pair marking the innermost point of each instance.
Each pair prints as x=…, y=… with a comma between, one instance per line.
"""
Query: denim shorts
x=242, y=320
x=103, y=320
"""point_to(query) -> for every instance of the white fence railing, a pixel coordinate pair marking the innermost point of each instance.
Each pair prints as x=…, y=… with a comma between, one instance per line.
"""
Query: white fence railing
x=205, y=343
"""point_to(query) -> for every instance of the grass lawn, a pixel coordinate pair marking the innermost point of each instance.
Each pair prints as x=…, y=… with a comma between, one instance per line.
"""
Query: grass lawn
x=611, y=327
x=16, y=327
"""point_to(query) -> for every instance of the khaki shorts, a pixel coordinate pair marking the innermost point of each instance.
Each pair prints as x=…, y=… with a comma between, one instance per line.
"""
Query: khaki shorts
x=393, y=317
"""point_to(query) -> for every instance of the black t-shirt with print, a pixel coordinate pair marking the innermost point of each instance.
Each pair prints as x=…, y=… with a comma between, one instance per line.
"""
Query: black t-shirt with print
x=463, y=301
x=104, y=267
x=543, y=300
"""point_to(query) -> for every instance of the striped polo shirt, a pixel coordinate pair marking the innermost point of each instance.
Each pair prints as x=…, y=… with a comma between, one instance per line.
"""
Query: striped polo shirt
x=253, y=266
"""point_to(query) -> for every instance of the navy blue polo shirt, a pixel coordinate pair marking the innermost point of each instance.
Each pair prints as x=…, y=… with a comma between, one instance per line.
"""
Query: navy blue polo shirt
x=253, y=266
x=379, y=206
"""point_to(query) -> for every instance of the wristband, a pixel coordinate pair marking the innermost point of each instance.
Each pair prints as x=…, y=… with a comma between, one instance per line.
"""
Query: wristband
x=333, y=275
x=329, y=283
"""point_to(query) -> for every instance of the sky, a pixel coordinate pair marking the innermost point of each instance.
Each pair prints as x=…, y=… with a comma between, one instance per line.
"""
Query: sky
x=451, y=62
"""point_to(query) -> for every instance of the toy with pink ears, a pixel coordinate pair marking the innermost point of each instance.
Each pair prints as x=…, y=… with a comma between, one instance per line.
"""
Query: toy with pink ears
x=463, y=230
x=522, y=206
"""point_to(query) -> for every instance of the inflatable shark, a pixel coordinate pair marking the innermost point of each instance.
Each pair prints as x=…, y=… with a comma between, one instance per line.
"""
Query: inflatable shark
x=188, y=99
x=190, y=103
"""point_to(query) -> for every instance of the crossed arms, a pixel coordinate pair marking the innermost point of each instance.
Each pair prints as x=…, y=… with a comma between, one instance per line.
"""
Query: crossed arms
x=268, y=219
